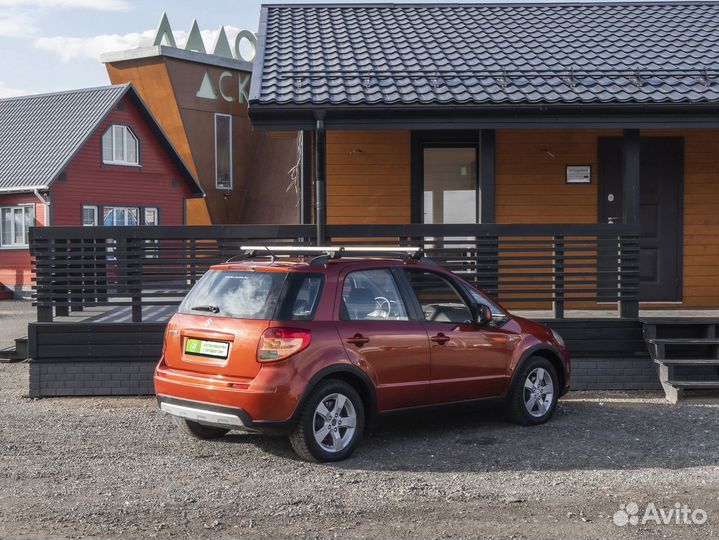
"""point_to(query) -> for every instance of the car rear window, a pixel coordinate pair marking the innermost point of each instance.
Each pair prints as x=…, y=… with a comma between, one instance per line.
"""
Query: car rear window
x=255, y=295
x=242, y=295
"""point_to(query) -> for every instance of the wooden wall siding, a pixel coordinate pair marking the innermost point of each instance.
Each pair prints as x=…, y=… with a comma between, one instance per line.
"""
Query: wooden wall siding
x=88, y=181
x=368, y=177
x=531, y=185
x=169, y=87
x=16, y=264
x=369, y=182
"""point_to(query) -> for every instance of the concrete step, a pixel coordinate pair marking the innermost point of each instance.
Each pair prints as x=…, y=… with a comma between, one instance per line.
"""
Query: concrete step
x=15, y=353
x=683, y=341
x=694, y=384
x=688, y=361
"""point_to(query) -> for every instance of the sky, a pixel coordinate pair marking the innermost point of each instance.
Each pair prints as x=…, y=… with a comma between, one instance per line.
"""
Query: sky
x=52, y=45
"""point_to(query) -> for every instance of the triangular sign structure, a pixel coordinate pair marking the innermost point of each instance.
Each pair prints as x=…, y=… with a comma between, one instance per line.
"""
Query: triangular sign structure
x=207, y=89
x=222, y=45
x=194, y=40
x=164, y=31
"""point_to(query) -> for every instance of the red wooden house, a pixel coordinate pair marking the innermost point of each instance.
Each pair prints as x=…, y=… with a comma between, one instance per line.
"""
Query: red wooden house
x=83, y=157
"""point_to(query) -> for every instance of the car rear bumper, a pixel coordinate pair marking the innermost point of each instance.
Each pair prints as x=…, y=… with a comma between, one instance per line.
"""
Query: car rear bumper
x=205, y=413
x=261, y=404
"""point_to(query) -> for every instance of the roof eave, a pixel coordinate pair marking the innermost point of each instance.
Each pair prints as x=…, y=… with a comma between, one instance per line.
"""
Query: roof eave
x=276, y=117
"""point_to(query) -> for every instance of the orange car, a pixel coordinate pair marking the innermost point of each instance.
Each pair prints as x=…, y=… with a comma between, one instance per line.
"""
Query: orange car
x=316, y=346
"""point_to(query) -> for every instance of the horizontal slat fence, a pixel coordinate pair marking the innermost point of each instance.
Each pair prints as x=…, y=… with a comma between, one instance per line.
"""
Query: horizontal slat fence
x=79, y=267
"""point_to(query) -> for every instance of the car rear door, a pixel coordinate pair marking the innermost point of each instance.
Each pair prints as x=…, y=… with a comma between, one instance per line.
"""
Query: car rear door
x=381, y=334
x=468, y=361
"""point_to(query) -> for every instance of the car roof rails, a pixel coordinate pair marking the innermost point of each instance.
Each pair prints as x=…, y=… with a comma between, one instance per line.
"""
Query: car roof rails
x=322, y=254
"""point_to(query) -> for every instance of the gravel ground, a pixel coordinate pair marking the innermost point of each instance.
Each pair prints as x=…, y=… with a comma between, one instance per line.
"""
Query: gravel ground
x=118, y=468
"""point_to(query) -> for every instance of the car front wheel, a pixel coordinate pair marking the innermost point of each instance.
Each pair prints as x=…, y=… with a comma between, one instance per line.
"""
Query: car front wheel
x=534, y=394
x=331, y=423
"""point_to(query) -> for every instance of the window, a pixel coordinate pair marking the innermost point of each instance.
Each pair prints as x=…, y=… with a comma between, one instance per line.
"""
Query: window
x=370, y=295
x=301, y=297
x=223, y=151
x=89, y=216
x=243, y=295
x=450, y=185
x=439, y=300
x=499, y=316
x=122, y=216
x=15, y=222
x=113, y=216
x=120, y=146
x=151, y=217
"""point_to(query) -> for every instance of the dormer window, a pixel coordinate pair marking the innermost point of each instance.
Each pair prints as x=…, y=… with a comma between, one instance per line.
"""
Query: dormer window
x=120, y=146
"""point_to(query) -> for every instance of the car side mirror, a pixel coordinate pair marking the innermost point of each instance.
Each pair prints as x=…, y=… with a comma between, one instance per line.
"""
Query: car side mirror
x=484, y=314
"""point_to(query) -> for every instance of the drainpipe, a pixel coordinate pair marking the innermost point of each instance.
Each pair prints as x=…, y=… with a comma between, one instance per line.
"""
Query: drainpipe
x=320, y=180
x=46, y=207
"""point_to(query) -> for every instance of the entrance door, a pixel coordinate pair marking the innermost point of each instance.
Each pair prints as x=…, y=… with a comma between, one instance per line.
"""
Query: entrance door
x=450, y=185
x=661, y=210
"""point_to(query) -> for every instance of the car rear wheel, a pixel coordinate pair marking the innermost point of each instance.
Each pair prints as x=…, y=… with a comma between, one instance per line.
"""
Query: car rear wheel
x=534, y=394
x=331, y=423
x=199, y=431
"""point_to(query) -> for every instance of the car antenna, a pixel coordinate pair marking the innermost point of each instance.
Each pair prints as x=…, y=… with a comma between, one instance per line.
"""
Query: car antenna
x=272, y=255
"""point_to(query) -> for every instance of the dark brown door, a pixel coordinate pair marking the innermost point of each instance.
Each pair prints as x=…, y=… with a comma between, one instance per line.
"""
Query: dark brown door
x=661, y=212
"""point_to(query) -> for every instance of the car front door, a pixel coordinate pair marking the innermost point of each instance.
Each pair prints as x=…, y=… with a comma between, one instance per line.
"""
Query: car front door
x=468, y=361
x=382, y=334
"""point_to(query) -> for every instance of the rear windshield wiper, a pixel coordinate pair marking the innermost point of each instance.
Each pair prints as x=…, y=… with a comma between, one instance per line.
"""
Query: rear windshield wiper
x=211, y=309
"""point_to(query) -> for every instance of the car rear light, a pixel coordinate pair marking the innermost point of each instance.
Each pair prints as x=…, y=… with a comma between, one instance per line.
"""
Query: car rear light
x=280, y=343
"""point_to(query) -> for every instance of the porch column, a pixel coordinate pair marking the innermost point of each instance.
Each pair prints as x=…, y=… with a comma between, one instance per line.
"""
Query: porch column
x=487, y=190
x=305, y=187
x=631, y=149
x=320, y=179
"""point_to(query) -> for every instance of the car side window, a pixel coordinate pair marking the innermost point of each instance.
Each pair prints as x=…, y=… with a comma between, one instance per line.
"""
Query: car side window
x=372, y=295
x=439, y=300
x=499, y=317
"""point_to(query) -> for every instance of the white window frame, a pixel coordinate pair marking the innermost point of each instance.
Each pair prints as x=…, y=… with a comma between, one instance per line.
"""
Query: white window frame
x=25, y=232
x=94, y=212
x=217, y=186
x=125, y=138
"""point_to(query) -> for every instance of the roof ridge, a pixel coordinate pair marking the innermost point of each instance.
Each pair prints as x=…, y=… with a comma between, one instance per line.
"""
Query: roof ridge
x=65, y=92
x=494, y=3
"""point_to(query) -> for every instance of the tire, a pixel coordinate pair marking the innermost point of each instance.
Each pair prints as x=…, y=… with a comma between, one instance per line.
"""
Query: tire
x=316, y=419
x=199, y=431
x=526, y=408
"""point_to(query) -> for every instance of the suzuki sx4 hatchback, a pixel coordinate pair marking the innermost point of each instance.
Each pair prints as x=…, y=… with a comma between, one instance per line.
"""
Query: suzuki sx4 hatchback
x=315, y=348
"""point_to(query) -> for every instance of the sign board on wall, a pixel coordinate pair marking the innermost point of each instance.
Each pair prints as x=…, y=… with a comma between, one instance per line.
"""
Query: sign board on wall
x=579, y=174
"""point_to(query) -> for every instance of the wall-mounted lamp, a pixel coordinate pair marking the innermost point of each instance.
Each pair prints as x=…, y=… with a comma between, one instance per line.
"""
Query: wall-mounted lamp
x=550, y=154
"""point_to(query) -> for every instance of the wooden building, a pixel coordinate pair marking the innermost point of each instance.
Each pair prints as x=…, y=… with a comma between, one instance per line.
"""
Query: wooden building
x=199, y=98
x=93, y=157
x=563, y=157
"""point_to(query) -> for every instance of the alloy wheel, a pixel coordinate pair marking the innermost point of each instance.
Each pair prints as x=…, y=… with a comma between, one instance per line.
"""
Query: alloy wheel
x=538, y=392
x=334, y=422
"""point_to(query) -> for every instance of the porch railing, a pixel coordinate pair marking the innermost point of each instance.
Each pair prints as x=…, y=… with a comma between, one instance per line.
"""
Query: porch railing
x=528, y=266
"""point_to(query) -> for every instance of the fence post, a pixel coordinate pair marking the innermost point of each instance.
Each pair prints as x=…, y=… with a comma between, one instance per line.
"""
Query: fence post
x=558, y=304
x=134, y=276
x=628, y=284
x=61, y=311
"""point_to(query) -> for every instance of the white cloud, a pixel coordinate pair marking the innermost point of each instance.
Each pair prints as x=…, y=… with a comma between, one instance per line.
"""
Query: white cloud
x=95, y=5
x=16, y=24
x=6, y=92
x=74, y=48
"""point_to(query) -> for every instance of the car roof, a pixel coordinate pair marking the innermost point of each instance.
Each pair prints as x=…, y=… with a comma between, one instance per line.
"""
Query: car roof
x=289, y=264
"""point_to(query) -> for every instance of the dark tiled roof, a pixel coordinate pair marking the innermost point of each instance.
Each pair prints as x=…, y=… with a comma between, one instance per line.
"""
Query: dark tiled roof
x=491, y=53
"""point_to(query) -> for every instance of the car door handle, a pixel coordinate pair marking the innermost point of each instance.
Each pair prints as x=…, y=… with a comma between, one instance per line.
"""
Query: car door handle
x=440, y=338
x=358, y=339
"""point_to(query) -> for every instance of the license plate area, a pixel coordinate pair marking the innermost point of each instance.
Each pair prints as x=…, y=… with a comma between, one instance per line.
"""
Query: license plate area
x=206, y=351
